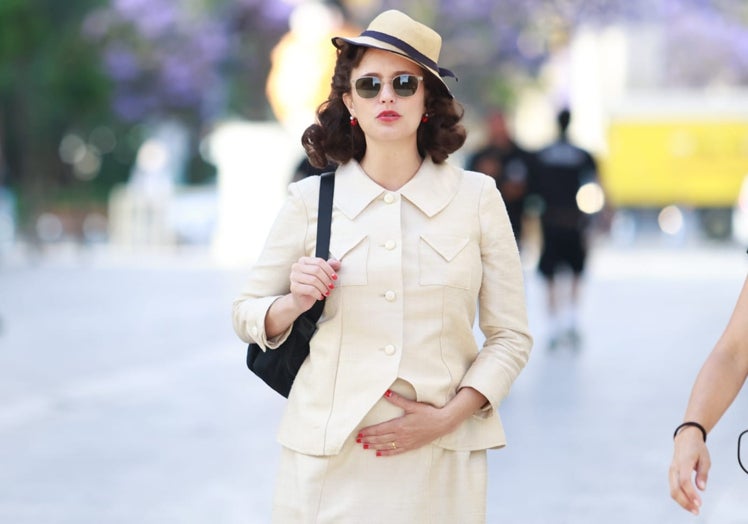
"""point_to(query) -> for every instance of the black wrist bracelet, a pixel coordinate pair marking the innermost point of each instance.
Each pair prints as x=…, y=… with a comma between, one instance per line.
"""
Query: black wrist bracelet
x=694, y=424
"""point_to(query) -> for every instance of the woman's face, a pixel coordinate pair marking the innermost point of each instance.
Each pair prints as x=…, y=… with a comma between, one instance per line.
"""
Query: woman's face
x=387, y=116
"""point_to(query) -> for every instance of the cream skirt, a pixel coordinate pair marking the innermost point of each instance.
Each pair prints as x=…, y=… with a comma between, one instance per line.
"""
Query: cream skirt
x=428, y=485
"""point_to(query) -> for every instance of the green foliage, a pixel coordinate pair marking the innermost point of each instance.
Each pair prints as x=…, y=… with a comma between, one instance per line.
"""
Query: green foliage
x=50, y=84
x=19, y=27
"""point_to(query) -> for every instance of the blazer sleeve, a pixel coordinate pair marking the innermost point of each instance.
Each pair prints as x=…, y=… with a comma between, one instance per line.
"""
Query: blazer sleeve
x=502, y=311
x=269, y=277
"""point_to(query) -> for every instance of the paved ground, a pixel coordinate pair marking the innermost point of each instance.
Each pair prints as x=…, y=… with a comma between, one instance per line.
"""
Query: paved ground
x=123, y=397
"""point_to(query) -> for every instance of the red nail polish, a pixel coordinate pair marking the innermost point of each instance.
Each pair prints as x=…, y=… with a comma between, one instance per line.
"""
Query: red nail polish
x=358, y=440
x=327, y=293
x=332, y=286
x=334, y=276
x=366, y=446
x=388, y=393
x=379, y=453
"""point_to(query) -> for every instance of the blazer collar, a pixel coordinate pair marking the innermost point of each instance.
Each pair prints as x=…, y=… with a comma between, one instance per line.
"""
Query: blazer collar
x=433, y=187
x=430, y=190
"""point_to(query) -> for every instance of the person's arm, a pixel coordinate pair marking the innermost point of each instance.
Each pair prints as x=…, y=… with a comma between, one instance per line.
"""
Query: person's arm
x=284, y=282
x=420, y=423
x=311, y=279
x=502, y=311
x=720, y=379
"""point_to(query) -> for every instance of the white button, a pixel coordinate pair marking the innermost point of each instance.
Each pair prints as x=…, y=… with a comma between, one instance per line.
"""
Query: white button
x=390, y=244
x=390, y=296
x=389, y=198
x=389, y=350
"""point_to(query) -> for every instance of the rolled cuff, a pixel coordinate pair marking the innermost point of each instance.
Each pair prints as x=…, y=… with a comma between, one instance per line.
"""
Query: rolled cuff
x=249, y=322
x=495, y=390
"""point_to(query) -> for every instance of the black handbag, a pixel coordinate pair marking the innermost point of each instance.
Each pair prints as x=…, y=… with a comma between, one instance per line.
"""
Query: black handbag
x=278, y=367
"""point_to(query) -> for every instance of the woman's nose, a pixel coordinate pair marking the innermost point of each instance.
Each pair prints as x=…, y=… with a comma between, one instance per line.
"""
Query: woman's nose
x=387, y=94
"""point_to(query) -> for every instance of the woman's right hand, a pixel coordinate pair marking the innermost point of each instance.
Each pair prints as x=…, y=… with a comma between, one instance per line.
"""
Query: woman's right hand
x=312, y=279
x=691, y=454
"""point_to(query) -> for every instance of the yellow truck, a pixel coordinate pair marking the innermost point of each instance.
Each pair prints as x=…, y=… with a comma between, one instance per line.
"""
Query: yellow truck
x=662, y=157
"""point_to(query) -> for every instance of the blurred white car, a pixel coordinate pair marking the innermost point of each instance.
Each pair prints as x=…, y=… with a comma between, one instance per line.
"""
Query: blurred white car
x=740, y=215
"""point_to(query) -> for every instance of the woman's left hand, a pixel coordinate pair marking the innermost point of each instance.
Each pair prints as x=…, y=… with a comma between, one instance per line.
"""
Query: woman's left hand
x=420, y=424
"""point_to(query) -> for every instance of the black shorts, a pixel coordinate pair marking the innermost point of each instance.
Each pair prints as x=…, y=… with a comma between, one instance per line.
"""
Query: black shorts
x=562, y=247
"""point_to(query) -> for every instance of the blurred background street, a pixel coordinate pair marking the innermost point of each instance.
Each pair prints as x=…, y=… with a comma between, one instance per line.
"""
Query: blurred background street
x=124, y=397
x=146, y=145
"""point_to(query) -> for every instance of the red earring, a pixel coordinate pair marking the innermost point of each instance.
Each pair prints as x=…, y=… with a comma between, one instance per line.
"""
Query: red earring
x=354, y=121
x=425, y=118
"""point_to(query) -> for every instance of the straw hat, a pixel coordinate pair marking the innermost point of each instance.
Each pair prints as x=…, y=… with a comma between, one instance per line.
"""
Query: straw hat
x=396, y=32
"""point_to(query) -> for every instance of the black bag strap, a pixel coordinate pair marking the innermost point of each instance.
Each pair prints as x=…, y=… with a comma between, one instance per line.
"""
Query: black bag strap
x=324, y=214
x=324, y=221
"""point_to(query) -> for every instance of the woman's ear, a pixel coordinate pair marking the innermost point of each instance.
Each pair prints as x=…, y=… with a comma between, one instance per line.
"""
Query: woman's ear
x=348, y=102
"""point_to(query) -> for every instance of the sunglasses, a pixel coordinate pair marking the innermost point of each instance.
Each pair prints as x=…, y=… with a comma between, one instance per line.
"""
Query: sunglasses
x=403, y=85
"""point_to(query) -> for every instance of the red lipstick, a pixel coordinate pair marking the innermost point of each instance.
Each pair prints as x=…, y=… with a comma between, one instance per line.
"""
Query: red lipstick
x=388, y=116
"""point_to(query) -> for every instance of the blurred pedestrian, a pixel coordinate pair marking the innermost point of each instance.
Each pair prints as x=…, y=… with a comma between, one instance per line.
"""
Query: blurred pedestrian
x=720, y=379
x=558, y=172
x=508, y=164
x=390, y=417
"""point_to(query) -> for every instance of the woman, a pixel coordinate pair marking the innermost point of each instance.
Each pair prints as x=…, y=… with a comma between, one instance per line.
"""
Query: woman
x=716, y=386
x=389, y=418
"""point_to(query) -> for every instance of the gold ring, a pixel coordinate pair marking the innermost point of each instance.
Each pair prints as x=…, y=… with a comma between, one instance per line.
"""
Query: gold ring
x=394, y=446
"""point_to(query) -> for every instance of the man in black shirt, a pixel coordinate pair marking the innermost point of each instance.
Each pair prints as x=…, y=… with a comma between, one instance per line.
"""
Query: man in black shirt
x=508, y=164
x=558, y=172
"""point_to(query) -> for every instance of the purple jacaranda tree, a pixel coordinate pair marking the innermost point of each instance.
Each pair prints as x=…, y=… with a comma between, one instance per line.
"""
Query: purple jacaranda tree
x=163, y=57
x=206, y=58
x=705, y=43
x=187, y=59
x=497, y=45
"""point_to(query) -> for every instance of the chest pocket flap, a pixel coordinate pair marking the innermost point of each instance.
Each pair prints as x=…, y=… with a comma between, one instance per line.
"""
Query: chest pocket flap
x=353, y=253
x=447, y=246
x=443, y=260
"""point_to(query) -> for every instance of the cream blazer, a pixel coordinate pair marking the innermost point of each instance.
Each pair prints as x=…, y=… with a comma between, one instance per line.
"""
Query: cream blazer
x=416, y=266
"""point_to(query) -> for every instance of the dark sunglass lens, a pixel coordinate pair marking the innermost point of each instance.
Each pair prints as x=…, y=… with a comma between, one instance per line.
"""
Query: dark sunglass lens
x=405, y=85
x=368, y=86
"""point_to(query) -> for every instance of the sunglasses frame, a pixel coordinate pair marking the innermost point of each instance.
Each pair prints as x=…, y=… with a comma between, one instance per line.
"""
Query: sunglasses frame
x=391, y=81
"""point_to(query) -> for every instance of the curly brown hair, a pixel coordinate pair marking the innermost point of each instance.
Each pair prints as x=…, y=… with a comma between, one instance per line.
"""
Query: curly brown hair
x=333, y=139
